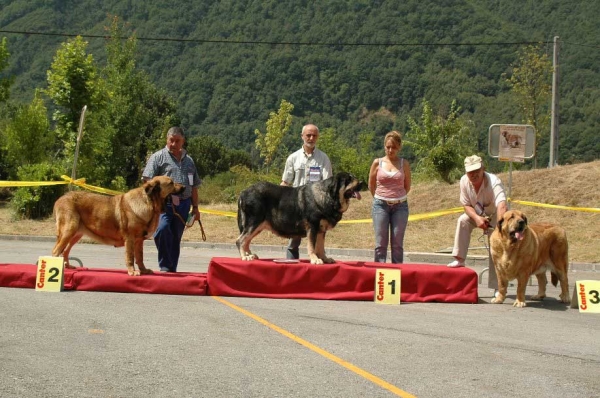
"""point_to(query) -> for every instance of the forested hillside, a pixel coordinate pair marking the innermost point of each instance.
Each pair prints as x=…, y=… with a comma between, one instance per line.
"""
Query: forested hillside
x=355, y=66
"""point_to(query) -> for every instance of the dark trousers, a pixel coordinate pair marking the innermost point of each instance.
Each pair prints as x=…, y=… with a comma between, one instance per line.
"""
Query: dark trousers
x=292, y=250
x=168, y=235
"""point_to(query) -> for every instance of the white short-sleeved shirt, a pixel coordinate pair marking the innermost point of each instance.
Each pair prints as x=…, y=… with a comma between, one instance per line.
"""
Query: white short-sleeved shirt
x=490, y=194
x=301, y=168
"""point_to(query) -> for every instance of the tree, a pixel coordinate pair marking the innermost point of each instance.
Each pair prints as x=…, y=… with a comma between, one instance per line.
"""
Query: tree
x=5, y=82
x=530, y=83
x=138, y=114
x=73, y=82
x=28, y=139
x=278, y=124
x=440, y=143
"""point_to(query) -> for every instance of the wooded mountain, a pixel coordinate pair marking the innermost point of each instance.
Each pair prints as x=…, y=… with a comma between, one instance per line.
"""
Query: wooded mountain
x=359, y=65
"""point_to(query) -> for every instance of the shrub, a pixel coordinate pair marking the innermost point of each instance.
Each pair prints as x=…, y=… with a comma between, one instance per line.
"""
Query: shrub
x=226, y=187
x=36, y=202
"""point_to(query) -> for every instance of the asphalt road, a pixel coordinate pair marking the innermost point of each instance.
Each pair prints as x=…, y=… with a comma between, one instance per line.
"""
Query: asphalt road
x=94, y=344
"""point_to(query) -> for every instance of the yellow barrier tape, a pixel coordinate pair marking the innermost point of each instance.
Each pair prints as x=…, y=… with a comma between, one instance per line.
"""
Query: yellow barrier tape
x=414, y=217
x=585, y=209
x=81, y=183
x=219, y=213
x=29, y=183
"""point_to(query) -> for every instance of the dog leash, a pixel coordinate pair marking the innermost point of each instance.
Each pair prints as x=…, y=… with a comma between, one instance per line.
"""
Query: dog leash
x=190, y=225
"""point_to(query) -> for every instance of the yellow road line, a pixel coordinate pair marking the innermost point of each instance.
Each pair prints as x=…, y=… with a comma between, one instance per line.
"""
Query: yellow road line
x=382, y=383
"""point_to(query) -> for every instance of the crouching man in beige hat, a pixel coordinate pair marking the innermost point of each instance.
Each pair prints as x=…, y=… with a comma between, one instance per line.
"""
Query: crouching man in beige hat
x=482, y=195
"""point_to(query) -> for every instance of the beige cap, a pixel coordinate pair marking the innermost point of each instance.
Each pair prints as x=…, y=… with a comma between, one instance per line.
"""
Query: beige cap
x=472, y=163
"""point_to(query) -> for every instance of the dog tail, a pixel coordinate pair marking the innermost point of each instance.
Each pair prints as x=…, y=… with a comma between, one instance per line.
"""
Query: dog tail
x=554, y=278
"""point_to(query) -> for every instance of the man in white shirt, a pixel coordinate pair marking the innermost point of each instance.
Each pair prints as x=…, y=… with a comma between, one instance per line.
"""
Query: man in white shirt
x=483, y=198
x=308, y=164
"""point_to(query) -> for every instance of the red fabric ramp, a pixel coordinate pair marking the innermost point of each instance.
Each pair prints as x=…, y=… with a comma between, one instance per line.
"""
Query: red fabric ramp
x=109, y=280
x=350, y=280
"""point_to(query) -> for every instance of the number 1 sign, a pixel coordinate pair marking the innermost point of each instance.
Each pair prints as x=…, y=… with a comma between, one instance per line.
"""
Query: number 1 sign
x=387, y=286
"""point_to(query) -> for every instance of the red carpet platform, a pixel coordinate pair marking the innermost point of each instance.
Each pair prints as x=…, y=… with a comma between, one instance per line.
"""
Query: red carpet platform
x=350, y=280
x=109, y=280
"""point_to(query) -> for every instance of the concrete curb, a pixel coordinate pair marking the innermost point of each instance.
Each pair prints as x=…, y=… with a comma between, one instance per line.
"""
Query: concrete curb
x=473, y=261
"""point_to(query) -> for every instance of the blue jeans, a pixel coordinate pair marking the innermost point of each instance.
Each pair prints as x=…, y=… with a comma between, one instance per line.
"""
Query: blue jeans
x=389, y=218
x=168, y=235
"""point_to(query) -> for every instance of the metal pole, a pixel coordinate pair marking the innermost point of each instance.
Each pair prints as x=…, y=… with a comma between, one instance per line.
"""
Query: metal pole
x=79, y=135
x=554, y=111
x=509, y=184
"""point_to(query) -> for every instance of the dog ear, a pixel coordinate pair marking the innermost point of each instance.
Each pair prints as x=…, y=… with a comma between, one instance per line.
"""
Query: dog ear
x=151, y=187
x=525, y=219
x=499, y=226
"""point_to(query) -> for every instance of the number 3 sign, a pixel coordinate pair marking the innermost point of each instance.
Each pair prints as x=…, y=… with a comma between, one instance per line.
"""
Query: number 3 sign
x=588, y=296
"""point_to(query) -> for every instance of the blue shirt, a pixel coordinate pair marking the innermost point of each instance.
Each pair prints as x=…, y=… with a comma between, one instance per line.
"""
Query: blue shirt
x=163, y=163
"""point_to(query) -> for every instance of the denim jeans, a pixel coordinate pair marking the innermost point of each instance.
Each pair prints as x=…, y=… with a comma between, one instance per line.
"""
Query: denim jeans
x=389, y=218
x=168, y=235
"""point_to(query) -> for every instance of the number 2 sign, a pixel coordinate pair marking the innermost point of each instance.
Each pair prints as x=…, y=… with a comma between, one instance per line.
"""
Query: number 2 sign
x=50, y=272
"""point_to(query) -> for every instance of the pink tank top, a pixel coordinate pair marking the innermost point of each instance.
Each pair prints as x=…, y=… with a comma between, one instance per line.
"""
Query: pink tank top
x=390, y=185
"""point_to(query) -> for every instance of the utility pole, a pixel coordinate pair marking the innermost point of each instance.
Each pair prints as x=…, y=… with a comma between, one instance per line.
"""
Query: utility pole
x=554, y=111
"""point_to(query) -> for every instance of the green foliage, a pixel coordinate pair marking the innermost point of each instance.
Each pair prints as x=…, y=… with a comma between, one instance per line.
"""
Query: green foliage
x=226, y=187
x=440, y=143
x=36, y=202
x=277, y=126
x=138, y=113
x=355, y=159
x=27, y=137
x=72, y=83
x=212, y=157
x=531, y=84
x=5, y=82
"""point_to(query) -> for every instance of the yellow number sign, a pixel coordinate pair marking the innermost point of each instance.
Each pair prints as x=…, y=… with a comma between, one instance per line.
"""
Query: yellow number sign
x=50, y=272
x=387, y=286
x=588, y=296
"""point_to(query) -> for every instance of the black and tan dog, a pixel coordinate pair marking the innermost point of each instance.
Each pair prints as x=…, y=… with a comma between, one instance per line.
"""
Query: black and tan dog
x=520, y=250
x=121, y=220
x=288, y=212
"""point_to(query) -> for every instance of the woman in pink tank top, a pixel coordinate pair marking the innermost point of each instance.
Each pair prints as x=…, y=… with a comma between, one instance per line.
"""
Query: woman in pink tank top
x=389, y=183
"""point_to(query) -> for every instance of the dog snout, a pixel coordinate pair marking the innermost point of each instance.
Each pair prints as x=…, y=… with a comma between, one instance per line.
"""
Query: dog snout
x=179, y=188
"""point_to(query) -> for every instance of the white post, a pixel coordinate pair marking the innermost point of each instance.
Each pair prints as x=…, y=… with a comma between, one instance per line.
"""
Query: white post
x=79, y=135
x=554, y=111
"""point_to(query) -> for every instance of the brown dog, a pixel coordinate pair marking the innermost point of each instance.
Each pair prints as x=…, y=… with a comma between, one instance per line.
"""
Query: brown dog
x=520, y=250
x=121, y=220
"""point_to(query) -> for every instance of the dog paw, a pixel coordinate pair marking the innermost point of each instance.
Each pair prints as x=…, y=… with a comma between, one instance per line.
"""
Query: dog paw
x=565, y=298
x=328, y=260
x=538, y=297
x=249, y=257
x=69, y=266
x=316, y=261
x=146, y=271
x=497, y=300
x=519, y=304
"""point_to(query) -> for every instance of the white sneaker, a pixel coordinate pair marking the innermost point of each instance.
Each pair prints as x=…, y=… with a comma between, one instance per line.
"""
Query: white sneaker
x=456, y=264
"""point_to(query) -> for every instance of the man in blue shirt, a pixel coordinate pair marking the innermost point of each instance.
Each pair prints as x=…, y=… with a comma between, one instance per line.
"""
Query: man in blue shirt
x=174, y=162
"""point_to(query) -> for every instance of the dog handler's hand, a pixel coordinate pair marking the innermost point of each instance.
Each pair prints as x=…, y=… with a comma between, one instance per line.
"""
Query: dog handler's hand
x=483, y=222
x=196, y=213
